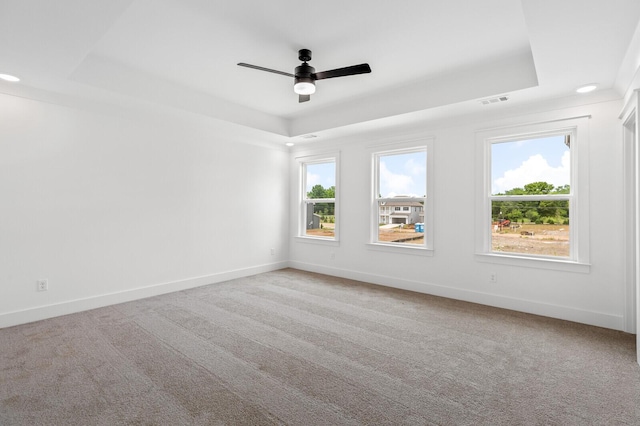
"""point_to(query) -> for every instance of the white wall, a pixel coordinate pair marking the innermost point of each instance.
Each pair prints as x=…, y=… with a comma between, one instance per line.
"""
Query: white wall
x=597, y=297
x=110, y=207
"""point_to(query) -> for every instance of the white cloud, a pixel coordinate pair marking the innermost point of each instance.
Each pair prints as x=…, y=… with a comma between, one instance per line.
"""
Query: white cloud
x=534, y=169
x=312, y=180
x=414, y=168
x=393, y=184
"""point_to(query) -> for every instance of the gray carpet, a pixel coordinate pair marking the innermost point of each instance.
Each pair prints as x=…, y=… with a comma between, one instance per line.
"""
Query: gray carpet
x=290, y=347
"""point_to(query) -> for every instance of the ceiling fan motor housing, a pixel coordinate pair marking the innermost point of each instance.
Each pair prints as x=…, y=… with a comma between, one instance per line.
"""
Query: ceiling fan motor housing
x=304, y=74
x=305, y=71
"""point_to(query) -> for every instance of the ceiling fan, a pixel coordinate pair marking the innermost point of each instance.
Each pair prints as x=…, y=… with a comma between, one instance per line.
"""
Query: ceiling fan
x=305, y=75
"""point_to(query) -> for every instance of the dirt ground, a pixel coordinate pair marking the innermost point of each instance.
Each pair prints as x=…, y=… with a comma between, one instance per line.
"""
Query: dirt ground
x=406, y=235
x=327, y=230
x=543, y=240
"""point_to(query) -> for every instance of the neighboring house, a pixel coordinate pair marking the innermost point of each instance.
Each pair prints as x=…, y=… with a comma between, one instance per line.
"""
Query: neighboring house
x=313, y=219
x=401, y=212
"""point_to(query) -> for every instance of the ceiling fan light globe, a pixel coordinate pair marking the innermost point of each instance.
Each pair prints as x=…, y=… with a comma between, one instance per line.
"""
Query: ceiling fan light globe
x=304, y=88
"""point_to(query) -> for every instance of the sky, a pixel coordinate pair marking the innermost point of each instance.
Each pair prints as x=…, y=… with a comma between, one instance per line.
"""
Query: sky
x=403, y=174
x=400, y=174
x=515, y=164
x=321, y=173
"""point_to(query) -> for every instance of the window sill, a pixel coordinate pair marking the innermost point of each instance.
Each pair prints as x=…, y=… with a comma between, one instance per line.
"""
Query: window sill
x=393, y=248
x=534, y=262
x=317, y=240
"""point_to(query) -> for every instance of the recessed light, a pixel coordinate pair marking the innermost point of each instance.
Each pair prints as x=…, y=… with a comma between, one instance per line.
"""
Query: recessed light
x=289, y=144
x=7, y=77
x=587, y=88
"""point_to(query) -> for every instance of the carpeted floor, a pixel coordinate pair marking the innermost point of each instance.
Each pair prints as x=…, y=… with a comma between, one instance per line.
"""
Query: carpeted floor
x=296, y=348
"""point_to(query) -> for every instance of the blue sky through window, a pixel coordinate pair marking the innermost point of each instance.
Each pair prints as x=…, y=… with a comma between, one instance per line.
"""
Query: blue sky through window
x=515, y=164
x=321, y=173
x=403, y=174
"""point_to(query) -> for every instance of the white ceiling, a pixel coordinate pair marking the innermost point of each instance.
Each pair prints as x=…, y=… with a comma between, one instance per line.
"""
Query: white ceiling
x=424, y=54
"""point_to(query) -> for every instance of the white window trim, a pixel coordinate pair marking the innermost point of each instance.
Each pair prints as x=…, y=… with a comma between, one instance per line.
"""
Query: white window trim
x=578, y=127
x=378, y=150
x=303, y=201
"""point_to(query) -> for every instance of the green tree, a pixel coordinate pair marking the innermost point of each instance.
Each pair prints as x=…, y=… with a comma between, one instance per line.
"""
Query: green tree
x=515, y=191
x=514, y=215
x=548, y=208
x=317, y=191
x=330, y=192
x=535, y=211
x=532, y=215
x=535, y=188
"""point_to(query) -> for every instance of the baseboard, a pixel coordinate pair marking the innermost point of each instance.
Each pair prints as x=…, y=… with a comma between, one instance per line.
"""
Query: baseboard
x=554, y=311
x=598, y=319
x=43, y=312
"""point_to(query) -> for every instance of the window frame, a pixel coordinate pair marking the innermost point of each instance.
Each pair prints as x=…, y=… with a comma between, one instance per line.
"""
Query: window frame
x=577, y=128
x=304, y=201
x=377, y=151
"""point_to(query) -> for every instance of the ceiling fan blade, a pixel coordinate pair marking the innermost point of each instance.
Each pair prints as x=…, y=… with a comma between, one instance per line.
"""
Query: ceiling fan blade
x=343, y=72
x=255, y=67
x=303, y=98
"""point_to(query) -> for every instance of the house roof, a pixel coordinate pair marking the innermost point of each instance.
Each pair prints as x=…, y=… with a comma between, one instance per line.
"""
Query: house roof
x=403, y=204
x=430, y=58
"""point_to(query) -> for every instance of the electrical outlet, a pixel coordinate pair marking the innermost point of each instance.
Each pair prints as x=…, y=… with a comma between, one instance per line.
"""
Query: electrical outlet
x=42, y=285
x=332, y=255
x=493, y=277
x=273, y=252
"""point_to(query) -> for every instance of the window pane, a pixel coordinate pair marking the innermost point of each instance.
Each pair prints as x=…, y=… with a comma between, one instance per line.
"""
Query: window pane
x=319, y=199
x=321, y=220
x=531, y=227
x=396, y=225
x=533, y=166
x=403, y=174
x=321, y=180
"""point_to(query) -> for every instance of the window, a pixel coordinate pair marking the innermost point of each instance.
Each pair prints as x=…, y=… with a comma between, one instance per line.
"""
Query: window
x=319, y=208
x=534, y=192
x=401, y=203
